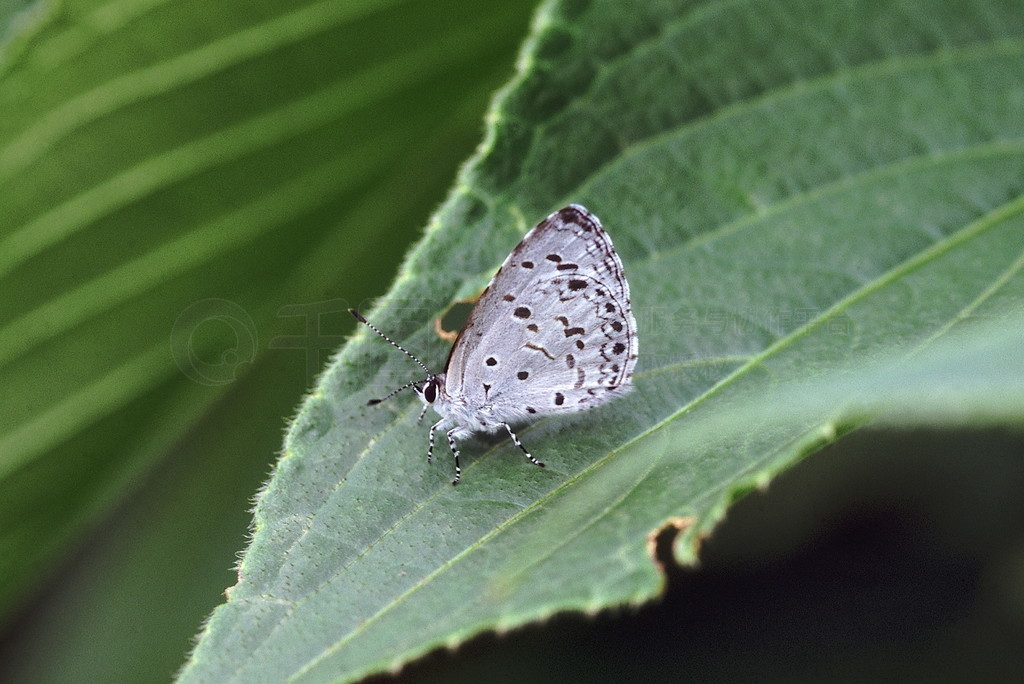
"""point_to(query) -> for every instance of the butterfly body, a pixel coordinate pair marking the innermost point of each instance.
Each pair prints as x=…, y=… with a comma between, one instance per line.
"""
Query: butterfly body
x=467, y=416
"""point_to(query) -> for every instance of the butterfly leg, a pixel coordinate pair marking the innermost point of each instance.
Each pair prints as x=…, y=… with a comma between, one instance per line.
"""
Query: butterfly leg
x=430, y=449
x=455, y=453
x=520, y=445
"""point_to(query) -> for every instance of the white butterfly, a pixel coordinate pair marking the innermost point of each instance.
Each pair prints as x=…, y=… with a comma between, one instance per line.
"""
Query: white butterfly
x=552, y=333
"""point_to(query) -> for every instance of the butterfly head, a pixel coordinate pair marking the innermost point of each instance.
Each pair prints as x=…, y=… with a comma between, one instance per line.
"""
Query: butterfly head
x=430, y=390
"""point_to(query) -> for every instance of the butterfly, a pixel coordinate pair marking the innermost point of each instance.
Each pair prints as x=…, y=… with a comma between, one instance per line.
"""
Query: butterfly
x=552, y=333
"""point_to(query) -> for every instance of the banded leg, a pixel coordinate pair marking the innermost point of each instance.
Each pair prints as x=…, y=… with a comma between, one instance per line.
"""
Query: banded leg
x=430, y=449
x=455, y=453
x=520, y=445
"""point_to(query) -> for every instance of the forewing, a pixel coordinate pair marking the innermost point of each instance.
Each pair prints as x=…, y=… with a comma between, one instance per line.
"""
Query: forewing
x=553, y=332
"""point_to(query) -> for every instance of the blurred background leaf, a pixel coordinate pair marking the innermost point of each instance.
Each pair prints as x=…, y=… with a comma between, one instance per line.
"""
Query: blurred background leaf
x=191, y=193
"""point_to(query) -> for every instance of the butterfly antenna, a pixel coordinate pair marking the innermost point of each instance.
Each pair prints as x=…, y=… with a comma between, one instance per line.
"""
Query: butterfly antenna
x=371, y=326
x=393, y=393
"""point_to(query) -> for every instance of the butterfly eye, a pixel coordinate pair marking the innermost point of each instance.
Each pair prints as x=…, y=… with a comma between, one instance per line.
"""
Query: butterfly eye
x=430, y=391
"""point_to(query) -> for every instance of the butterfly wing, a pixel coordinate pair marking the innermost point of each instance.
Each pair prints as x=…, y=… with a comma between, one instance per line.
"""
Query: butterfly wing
x=553, y=332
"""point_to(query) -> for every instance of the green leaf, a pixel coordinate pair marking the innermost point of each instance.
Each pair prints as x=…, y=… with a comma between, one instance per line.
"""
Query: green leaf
x=817, y=205
x=184, y=188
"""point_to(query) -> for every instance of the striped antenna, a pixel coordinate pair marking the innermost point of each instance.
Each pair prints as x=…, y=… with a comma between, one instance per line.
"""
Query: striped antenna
x=359, y=317
x=393, y=393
